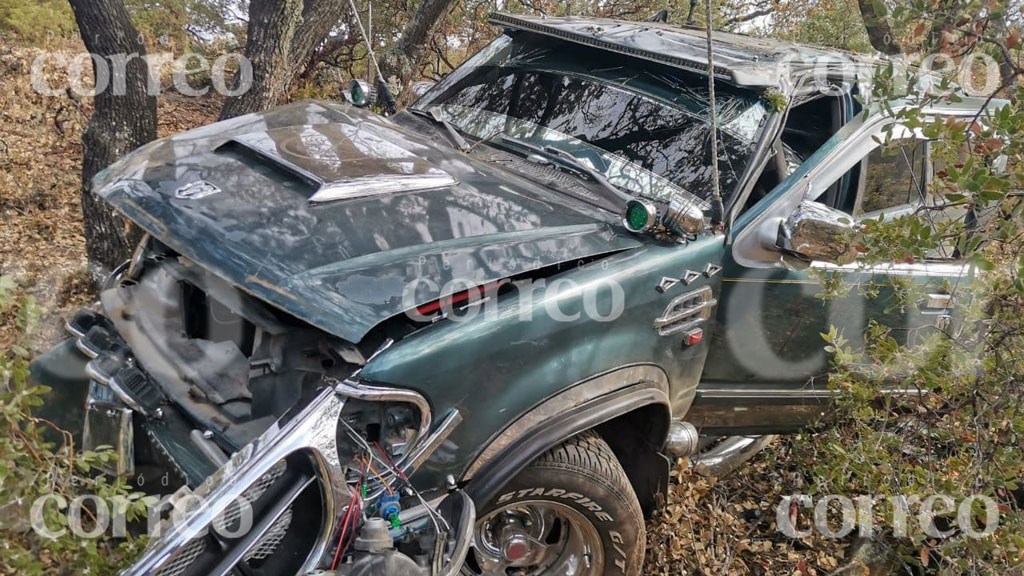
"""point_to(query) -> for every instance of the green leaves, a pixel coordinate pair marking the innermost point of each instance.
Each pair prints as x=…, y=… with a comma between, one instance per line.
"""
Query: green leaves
x=7, y=286
x=982, y=263
x=31, y=468
x=960, y=432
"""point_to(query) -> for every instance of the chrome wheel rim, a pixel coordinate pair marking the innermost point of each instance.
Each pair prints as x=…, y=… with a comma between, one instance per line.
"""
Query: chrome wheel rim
x=535, y=538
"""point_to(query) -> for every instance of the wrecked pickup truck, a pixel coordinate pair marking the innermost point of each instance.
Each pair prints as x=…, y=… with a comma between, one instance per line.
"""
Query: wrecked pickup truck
x=473, y=336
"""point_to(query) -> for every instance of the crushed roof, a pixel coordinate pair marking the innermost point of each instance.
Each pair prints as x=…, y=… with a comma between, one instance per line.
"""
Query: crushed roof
x=739, y=59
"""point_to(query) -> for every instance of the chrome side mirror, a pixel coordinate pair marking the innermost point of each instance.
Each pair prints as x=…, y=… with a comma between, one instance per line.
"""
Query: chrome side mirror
x=359, y=94
x=817, y=233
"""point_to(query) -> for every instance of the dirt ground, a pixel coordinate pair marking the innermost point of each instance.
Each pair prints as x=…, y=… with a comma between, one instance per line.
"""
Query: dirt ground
x=707, y=526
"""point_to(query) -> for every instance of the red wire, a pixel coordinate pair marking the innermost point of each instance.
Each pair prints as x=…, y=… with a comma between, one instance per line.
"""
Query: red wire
x=392, y=464
x=349, y=516
x=343, y=526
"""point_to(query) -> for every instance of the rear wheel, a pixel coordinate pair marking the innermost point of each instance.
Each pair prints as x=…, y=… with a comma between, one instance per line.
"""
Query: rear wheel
x=570, y=512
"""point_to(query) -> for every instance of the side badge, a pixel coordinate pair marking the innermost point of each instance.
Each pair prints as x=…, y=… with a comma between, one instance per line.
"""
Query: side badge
x=196, y=190
x=712, y=269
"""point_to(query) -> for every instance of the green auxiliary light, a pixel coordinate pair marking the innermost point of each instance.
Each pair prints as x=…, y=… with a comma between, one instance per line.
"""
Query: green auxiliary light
x=639, y=216
x=360, y=93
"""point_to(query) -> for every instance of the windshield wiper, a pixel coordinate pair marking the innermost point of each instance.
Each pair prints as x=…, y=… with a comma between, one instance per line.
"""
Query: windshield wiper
x=436, y=114
x=559, y=157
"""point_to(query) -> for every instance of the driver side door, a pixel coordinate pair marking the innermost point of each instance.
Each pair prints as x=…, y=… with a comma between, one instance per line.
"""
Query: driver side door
x=766, y=367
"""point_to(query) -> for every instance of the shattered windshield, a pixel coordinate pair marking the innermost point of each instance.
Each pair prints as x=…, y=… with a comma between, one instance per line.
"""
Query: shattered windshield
x=644, y=126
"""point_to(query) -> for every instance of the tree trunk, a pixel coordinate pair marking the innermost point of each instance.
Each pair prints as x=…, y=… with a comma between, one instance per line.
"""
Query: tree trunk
x=878, y=28
x=273, y=25
x=121, y=122
x=319, y=17
x=400, y=65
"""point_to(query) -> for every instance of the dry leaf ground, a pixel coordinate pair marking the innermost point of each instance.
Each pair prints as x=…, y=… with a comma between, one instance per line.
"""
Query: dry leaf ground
x=41, y=245
x=727, y=526
x=706, y=527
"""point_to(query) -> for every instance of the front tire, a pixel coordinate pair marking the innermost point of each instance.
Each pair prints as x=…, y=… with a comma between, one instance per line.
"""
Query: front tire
x=571, y=511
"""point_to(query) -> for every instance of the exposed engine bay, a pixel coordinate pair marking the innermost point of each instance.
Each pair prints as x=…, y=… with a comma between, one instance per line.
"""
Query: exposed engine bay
x=313, y=496
x=284, y=461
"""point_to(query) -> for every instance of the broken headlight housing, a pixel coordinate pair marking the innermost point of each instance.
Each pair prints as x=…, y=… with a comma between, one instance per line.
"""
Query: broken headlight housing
x=294, y=500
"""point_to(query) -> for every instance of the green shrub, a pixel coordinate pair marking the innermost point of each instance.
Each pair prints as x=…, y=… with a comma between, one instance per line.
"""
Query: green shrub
x=32, y=468
x=959, y=434
x=36, y=20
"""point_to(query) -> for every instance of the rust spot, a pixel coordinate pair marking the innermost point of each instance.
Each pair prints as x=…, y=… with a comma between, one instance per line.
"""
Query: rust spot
x=269, y=286
x=154, y=226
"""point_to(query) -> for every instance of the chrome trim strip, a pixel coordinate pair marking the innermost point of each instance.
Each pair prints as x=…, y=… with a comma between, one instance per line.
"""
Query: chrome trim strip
x=786, y=393
x=208, y=448
x=900, y=269
x=100, y=377
x=419, y=511
x=89, y=352
x=95, y=374
x=72, y=331
x=357, y=390
x=259, y=530
x=467, y=524
x=430, y=445
x=379, y=185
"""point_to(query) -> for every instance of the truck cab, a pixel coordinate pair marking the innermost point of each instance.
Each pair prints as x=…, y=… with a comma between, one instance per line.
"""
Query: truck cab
x=492, y=320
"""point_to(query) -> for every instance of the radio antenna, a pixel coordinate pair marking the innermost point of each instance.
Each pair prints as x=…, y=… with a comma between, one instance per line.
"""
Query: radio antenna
x=717, y=207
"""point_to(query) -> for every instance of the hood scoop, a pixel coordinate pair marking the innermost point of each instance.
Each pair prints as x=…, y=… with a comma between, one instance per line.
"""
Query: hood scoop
x=338, y=162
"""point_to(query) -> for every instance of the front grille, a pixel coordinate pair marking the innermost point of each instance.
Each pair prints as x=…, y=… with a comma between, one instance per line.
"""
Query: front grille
x=233, y=513
x=272, y=539
x=183, y=558
x=289, y=529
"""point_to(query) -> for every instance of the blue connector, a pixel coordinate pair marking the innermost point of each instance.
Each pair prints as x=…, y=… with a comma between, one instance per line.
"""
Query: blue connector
x=389, y=507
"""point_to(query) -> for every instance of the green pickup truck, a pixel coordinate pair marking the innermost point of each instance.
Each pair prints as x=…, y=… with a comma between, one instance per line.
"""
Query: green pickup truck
x=472, y=337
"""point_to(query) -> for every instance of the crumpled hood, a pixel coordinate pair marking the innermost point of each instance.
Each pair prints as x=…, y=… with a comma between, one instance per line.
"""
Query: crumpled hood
x=241, y=198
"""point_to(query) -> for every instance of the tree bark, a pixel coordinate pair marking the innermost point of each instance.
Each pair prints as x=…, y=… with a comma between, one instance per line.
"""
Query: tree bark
x=319, y=17
x=690, y=16
x=400, y=65
x=273, y=25
x=122, y=120
x=878, y=28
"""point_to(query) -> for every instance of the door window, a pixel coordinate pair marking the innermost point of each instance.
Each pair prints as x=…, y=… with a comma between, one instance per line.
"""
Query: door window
x=890, y=178
x=893, y=176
